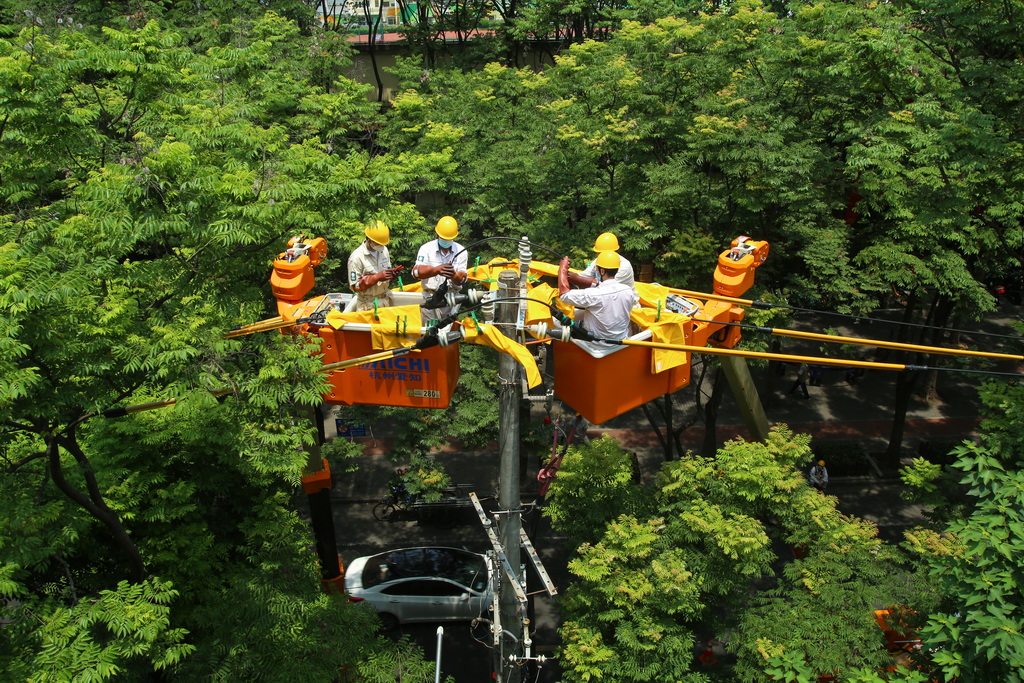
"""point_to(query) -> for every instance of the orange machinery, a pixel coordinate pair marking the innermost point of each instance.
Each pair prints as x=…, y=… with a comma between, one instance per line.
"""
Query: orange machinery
x=425, y=379
x=598, y=381
x=603, y=382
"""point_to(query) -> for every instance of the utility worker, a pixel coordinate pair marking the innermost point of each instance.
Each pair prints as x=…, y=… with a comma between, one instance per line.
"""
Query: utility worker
x=369, y=268
x=603, y=310
x=439, y=260
x=606, y=241
x=819, y=476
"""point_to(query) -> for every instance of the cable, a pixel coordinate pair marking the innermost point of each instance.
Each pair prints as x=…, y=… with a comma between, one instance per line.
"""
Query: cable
x=509, y=239
x=900, y=322
x=765, y=305
x=839, y=339
x=582, y=333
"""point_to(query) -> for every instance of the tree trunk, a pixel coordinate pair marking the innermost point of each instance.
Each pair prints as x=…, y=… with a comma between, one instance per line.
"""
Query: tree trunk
x=930, y=389
x=904, y=390
x=710, y=446
x=657, y=430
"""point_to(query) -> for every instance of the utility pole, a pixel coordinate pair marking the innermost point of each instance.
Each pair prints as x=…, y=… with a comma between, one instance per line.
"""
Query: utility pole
x=509, y=503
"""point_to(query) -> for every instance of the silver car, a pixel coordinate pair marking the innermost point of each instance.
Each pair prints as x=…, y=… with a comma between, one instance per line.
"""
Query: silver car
x=421, y=584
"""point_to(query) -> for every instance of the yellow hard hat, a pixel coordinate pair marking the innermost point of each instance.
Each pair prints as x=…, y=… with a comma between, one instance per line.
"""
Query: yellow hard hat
x=608, y=260
x=606, y=241
x=447, y=228
x=378, y=232
x=821, y=462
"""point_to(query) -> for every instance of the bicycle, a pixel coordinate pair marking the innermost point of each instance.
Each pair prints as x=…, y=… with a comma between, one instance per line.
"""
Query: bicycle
x=396, y=500
x=441, y=513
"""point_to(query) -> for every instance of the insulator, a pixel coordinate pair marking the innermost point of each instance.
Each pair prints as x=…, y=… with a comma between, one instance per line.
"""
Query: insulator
x=525, y=255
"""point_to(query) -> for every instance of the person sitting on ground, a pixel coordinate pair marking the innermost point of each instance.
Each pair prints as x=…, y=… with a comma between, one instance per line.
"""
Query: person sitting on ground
x=819, y=476
x=603, y=310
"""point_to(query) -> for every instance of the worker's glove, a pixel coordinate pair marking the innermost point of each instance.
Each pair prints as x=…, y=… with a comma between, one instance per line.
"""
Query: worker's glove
x=424, y=272
x=563, y=276
x=446, y=271
x=367, y=281
x=581, y=281
x=387, y=274
x=459, y=277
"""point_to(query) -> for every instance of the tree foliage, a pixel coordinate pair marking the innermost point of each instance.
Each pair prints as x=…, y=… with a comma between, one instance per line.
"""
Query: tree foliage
x=710, y=546
x=147, y=183
x=976, y=631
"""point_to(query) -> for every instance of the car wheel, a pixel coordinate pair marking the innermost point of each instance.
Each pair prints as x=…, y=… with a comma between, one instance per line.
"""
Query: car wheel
x=383, y=511
x=388, y=621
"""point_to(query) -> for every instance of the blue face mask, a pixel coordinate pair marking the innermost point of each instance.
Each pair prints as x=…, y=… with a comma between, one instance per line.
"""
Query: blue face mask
x=444, y=244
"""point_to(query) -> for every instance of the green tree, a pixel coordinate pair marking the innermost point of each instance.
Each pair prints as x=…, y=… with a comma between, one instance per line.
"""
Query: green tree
x=145, y=189
x=710, y=541
x=970, y=554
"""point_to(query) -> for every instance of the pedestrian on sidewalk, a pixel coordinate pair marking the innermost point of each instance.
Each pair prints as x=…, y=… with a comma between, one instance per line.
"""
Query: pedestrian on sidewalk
x=816, y=373
x=801, y=380
x=819, y=476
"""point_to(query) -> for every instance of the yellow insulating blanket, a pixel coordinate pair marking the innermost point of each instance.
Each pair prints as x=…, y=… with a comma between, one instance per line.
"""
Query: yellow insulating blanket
x=537, y=312
x=489, y=335
x=651, y=294
x=394, y=327
x=668, y=330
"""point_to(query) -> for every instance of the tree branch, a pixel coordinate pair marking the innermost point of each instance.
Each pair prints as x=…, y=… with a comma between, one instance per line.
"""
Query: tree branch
x=100, y=511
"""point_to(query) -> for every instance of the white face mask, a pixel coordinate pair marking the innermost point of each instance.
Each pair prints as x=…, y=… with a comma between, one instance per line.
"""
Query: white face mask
x=444, y=244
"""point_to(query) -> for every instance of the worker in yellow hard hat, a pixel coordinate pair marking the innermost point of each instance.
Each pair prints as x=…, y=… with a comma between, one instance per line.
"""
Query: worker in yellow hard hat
x=602, y=310
x=606, y=241
x=369, y=268
x=819, y=476
x=438, y=260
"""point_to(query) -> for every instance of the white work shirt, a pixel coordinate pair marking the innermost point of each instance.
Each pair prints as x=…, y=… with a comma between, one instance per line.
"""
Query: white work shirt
x=624, y=274
x=365, y=262
x=430, y=254
x=605, y=308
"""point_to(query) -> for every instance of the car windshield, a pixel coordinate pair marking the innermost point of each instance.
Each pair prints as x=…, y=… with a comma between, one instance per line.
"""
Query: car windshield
x=460, y=566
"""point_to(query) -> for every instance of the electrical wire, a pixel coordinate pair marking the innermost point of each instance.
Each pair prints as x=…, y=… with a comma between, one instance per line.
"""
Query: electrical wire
x=767, y=305
x=905, y=324
x=509, y=239
x=771, y=356
x=839, y=339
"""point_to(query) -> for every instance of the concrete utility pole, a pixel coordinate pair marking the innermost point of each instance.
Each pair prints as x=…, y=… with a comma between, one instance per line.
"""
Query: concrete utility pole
x=509, y=503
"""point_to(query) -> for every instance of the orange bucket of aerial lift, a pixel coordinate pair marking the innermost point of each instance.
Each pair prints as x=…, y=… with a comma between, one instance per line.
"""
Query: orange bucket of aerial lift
x=420, y=379
x=293, y=269
x=602, y=387
x=607, y=381
x=735, y=272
